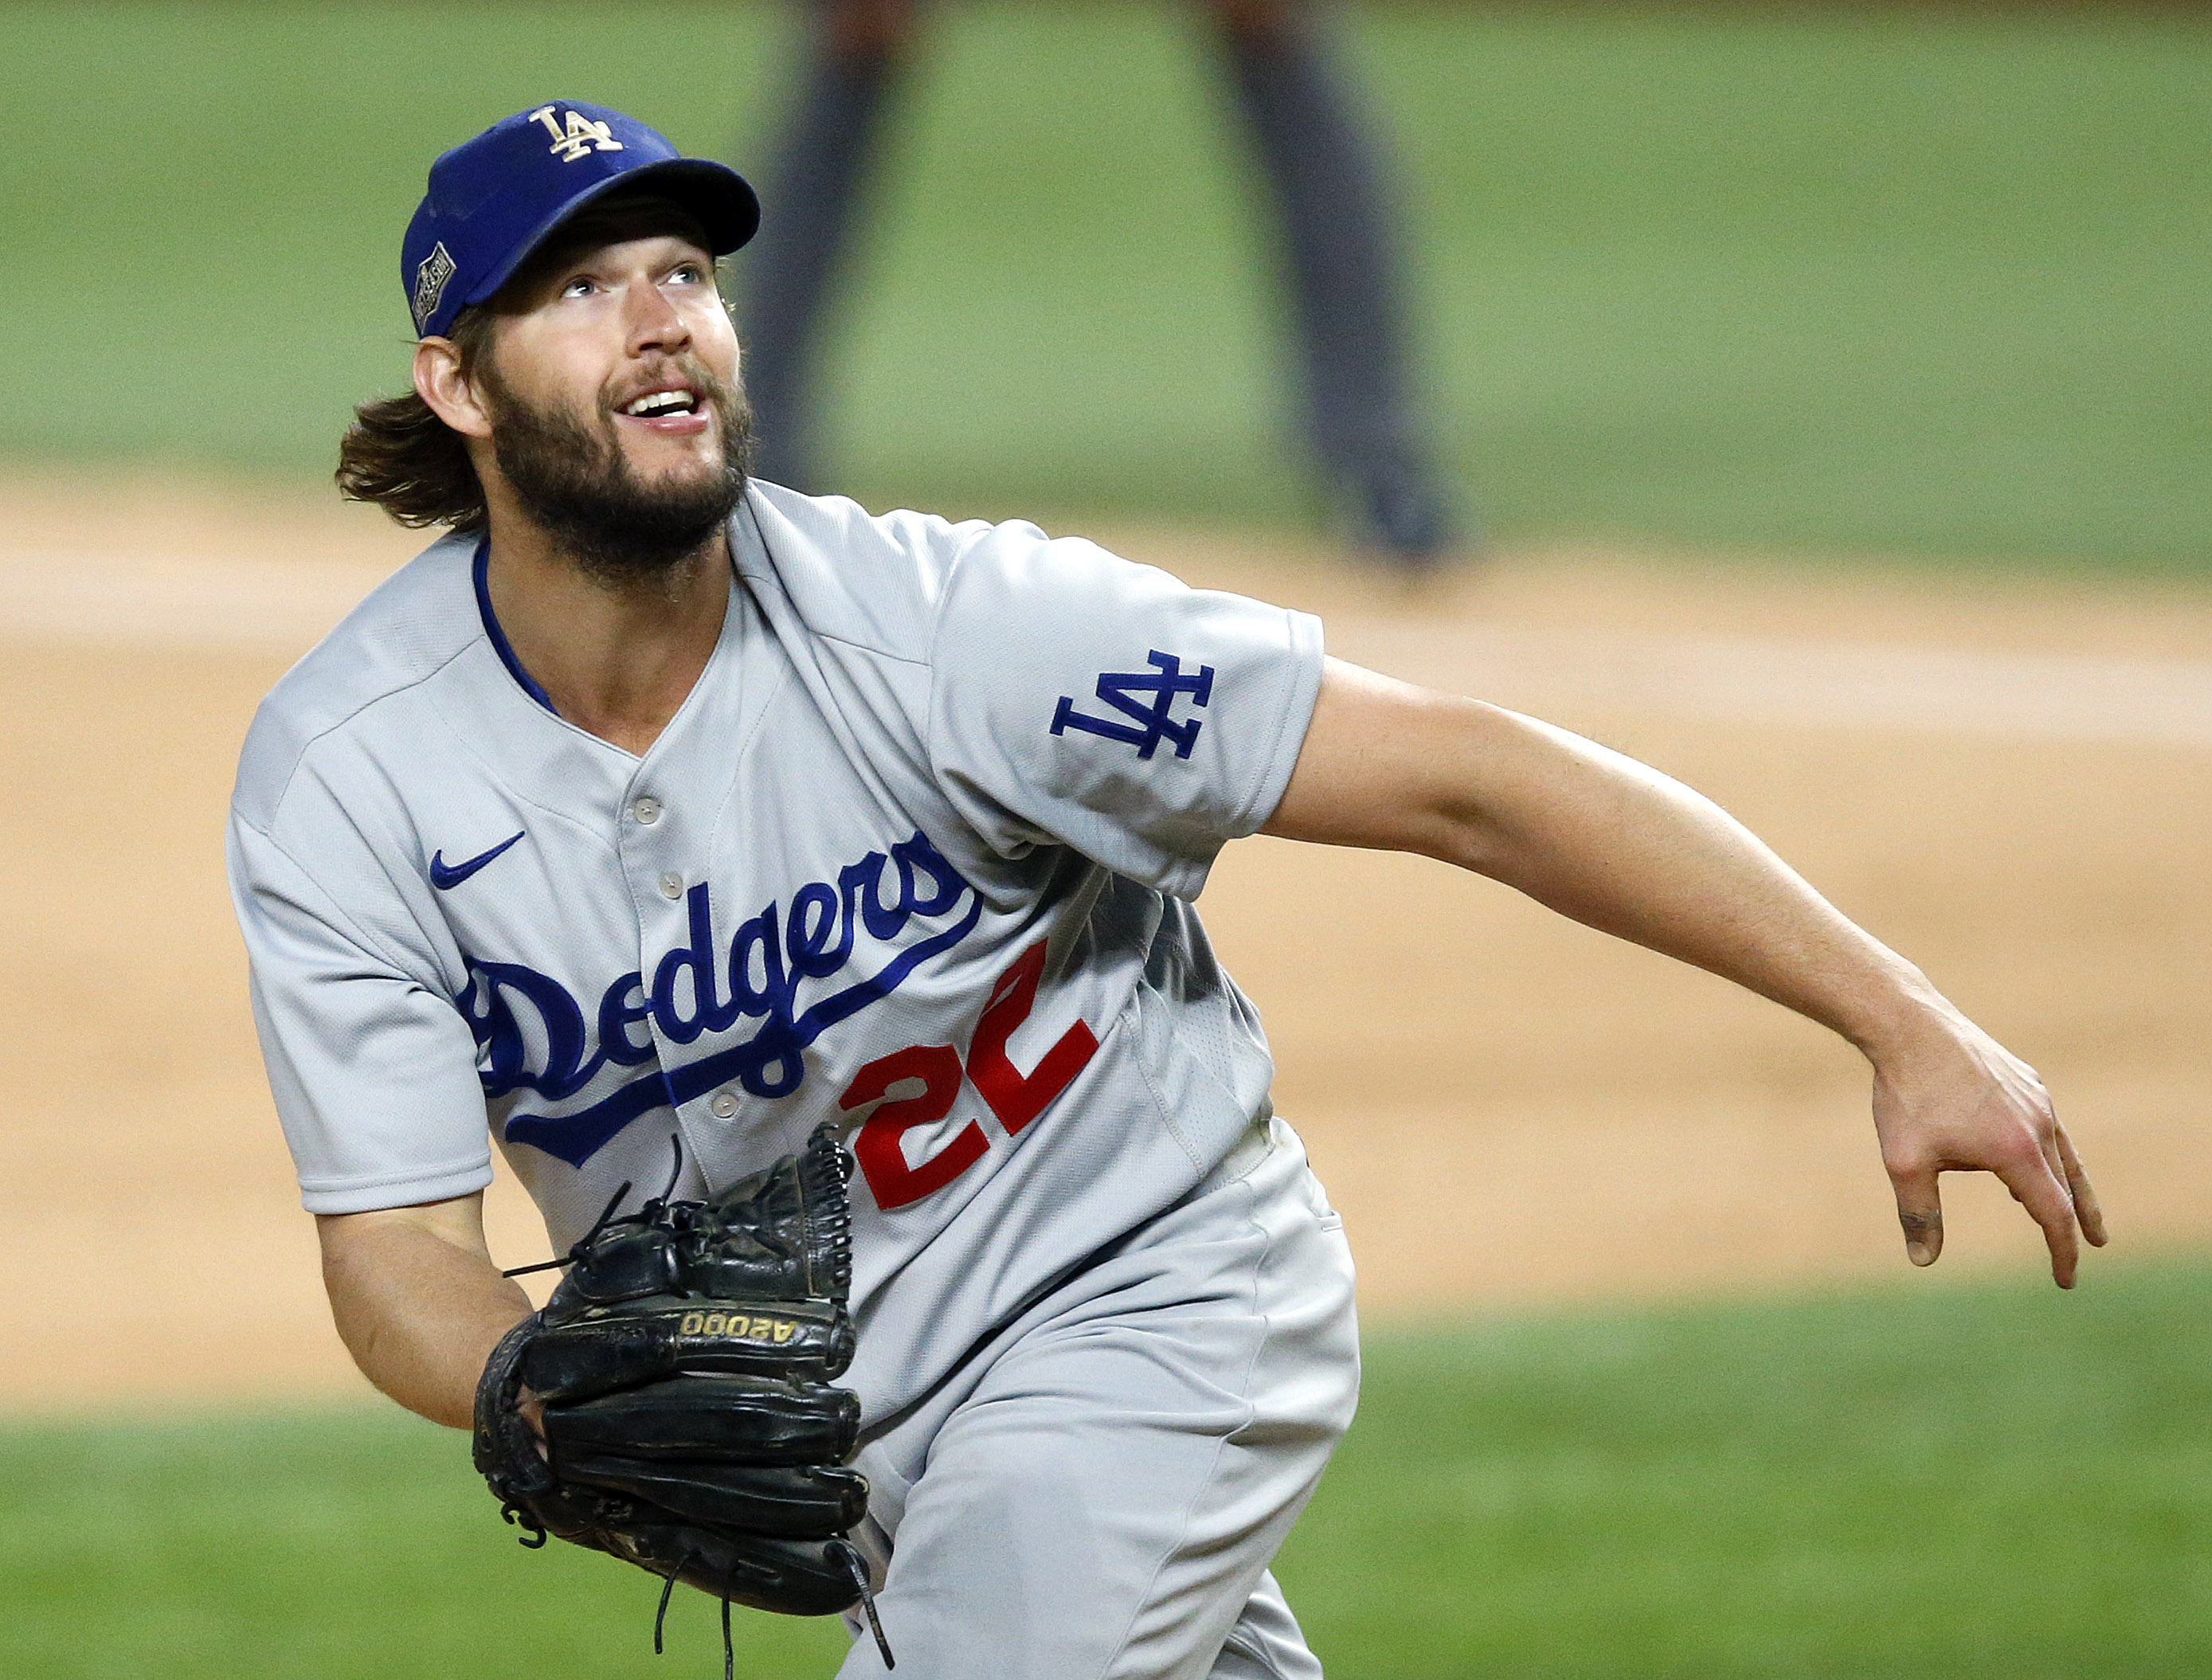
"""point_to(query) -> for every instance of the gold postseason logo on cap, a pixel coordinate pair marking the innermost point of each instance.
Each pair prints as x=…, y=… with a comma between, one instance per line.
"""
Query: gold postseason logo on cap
x=431, y=274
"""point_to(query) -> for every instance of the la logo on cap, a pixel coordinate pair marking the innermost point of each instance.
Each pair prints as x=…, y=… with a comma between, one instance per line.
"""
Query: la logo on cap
x=581, y=136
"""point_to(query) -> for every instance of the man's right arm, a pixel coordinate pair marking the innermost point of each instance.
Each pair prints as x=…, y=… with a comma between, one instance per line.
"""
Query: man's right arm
x=418, y=1301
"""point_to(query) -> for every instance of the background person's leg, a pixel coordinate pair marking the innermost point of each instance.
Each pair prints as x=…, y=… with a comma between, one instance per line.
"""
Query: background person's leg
x=1342, y=265
x=809, y=194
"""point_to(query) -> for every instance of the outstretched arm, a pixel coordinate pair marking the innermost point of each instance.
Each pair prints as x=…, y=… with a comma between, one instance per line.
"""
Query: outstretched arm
x=1617, y=845
x=418, y=1301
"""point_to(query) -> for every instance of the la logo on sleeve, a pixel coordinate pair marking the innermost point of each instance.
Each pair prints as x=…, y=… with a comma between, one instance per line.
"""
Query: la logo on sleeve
x=1150, y=722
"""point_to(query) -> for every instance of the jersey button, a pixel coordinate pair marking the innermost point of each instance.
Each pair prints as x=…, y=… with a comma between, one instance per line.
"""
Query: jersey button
x=647, y=810
x=671, y=886
x=723, y=1106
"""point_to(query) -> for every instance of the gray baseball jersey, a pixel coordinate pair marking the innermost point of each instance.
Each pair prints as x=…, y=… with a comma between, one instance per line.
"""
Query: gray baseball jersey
x=915, y=854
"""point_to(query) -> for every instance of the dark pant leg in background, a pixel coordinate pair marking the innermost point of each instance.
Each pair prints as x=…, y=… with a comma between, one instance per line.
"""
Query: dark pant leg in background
x=809, y=194
x=1326, y=178
x=1346, y=287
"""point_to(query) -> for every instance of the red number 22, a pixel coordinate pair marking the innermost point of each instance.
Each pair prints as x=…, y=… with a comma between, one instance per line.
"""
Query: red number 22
x=1014, y=1097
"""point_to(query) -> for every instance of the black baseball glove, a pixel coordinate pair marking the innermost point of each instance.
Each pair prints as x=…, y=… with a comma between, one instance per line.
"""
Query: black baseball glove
x=685, y=1366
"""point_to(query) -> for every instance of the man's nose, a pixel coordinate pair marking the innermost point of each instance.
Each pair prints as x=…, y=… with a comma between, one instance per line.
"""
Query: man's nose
x=655, y=324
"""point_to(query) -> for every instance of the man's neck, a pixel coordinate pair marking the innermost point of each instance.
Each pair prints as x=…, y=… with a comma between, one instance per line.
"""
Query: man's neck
x=618, y=661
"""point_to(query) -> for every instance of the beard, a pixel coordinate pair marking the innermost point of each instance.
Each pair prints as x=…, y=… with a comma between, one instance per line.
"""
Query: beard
x=575, y=481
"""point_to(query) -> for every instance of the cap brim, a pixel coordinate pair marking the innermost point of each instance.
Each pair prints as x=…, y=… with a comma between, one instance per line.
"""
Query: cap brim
x=718, y=195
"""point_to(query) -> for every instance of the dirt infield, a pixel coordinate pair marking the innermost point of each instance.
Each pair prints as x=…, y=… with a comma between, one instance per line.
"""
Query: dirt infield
x=2012, y=782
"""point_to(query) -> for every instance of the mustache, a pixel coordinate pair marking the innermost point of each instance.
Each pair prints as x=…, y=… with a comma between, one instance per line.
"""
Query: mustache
x=686, y=369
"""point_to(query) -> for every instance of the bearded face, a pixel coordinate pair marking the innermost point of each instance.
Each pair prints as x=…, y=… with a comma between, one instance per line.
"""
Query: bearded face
x=571, y=473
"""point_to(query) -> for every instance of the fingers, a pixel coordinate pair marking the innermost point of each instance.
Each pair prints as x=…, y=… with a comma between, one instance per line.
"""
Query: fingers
x=1982, y=1110
x=2064, y=1208
x=2057, y=1193
x=531, y=1409
x=2037, y=1188
x=2064, y=1169
x=2086, y=1207
x=1920, y=1211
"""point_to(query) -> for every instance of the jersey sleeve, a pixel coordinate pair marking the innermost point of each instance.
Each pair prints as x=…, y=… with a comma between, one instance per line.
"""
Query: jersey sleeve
x=1080, y=699
x=373, y=1070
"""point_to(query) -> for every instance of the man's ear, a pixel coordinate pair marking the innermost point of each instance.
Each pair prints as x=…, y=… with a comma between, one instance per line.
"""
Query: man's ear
x=451, y=394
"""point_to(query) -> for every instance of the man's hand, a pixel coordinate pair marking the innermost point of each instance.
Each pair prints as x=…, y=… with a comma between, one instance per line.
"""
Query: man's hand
x=1622, y=849
x=1950, y=1099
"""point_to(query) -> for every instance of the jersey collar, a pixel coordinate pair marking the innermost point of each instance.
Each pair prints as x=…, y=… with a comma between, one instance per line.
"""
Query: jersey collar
x=480, y=570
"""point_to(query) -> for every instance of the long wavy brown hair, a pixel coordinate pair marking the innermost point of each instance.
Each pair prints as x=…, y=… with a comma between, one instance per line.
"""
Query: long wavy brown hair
x=400, y=455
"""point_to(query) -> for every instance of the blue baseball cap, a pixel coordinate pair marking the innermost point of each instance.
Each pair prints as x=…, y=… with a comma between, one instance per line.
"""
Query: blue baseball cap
x=492, y=200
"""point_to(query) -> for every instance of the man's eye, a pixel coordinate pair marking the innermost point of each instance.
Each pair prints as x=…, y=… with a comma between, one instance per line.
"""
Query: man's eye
x=691, y=273
x=579, y=287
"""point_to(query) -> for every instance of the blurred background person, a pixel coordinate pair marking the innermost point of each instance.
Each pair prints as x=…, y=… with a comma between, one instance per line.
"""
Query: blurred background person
x=1339, y=251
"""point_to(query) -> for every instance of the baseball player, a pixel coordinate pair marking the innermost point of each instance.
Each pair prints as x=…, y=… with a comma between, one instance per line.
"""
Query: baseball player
x=653, y=802
x=1328, y=186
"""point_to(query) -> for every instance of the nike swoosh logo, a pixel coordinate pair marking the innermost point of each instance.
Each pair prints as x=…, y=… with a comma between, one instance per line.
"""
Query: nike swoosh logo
x=444, y=876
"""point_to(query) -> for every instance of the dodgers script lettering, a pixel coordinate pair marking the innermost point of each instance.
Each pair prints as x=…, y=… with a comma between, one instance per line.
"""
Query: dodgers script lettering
x=532, y=1035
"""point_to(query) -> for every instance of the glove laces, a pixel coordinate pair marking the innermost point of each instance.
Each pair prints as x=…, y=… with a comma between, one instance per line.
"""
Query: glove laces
x=607, y=1213
x=843, y=1551
x=849, y=1555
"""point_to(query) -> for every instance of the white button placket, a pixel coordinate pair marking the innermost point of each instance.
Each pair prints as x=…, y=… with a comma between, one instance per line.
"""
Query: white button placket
x=651, y=840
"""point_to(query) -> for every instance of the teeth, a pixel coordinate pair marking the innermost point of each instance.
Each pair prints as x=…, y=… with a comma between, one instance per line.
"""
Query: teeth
x=658, y=403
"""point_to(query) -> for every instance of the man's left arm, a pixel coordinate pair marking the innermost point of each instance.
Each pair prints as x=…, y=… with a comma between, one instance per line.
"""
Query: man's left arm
x=1621, y=848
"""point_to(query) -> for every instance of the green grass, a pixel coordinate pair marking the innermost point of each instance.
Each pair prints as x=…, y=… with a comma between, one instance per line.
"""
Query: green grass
x=1995, y=1481
x=1987, y=1480
x=1915, y=280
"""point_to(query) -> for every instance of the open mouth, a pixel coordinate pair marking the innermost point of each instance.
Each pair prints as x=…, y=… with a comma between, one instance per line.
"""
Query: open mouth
x=661, y=404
